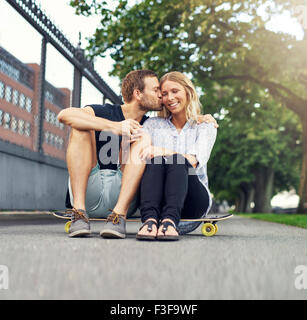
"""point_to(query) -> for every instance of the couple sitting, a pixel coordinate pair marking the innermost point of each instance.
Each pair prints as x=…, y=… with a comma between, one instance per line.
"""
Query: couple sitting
x=119, y=158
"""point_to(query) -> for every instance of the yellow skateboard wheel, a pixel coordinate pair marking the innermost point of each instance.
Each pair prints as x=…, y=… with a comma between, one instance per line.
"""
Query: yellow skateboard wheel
x=208, y=229
x=67, y=226
x=216, y=228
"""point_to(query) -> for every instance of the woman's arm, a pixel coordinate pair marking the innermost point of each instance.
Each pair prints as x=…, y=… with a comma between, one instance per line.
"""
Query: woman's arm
x=206, y=136
x=149, y=152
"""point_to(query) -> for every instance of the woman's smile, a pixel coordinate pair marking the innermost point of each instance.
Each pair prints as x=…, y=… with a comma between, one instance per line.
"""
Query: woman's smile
x=173, y=105
x=174, y=96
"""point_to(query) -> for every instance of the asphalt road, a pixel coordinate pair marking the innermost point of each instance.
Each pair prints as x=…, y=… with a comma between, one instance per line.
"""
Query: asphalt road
x=246, y=259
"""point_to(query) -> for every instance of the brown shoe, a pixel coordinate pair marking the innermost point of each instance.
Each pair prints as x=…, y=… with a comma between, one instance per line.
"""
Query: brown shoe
x=80, y=225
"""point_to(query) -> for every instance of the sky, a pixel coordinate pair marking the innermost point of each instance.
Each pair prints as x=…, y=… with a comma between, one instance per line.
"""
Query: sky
x=19, y=38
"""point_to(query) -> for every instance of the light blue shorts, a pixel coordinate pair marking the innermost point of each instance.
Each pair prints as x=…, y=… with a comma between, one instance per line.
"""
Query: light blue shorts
x=102, y=192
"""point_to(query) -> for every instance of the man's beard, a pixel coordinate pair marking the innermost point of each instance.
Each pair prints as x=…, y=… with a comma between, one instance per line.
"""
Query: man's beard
x=150, y=104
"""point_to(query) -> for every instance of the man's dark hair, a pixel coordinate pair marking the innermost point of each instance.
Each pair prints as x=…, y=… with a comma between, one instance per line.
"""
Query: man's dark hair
x=135, y=80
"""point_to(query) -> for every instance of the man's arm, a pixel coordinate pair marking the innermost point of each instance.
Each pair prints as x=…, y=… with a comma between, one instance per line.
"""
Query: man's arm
x=85, y=119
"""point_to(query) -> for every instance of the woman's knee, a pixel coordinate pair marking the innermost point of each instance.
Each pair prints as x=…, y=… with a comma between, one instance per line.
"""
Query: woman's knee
x=156, y=160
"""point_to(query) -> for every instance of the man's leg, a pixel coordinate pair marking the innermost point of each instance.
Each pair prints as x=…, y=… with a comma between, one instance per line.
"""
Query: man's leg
x=133, y=169
x=81, y=158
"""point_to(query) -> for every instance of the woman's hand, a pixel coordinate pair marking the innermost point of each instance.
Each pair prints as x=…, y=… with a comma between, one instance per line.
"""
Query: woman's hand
x=192, y=159
x=207, y=118
x=149, y=152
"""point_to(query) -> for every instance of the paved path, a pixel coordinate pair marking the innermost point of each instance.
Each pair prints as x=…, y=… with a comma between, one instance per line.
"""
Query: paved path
x=247, y=259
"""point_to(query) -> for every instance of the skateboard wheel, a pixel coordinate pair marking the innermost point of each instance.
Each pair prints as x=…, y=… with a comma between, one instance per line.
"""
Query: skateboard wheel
x=67, y=226
x=216, y=228
x=208, y=229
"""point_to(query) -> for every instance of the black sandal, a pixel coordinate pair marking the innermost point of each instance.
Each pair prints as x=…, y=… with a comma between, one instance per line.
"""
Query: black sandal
x=149, y=224
x=165, y=225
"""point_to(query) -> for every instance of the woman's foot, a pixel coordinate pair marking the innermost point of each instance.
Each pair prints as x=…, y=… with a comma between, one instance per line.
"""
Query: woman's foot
x=167, y=230
x=148, y=230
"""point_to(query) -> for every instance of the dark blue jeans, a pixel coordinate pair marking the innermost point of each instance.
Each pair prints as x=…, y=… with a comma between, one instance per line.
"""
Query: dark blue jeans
x=169, y=190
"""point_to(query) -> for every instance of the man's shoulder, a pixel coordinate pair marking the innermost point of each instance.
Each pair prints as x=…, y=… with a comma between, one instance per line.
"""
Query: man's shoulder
x=109, y=111
x=145, y=117
x=106, y=106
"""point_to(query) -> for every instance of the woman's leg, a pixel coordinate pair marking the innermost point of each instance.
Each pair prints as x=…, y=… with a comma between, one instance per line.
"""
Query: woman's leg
x=175, y=191
x=176, y=187
x=151, y=193
x=196, y=204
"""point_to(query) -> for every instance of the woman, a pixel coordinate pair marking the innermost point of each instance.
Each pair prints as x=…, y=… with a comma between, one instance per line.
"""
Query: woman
x=175, y=183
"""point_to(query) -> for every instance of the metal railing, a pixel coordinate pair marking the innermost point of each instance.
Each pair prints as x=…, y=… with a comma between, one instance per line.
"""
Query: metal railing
x=40, y=21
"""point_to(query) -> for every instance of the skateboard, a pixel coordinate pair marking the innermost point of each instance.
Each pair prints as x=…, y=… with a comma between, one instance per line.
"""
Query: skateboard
x=208, y=229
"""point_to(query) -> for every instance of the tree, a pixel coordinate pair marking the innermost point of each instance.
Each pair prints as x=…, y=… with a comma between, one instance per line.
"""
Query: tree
x=253, y=136
x=215, y=41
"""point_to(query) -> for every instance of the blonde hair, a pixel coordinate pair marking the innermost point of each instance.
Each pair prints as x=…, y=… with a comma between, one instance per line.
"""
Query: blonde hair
x=193, y=107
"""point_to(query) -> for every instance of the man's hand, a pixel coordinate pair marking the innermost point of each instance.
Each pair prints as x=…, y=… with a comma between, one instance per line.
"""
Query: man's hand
x=207, y=118
x=127, y=128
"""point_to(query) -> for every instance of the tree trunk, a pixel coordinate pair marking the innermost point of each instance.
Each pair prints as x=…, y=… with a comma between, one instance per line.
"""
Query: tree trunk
x=246, y=197
x=249, y=199
x=302, y=208
x=240, y=202
x=264, y=182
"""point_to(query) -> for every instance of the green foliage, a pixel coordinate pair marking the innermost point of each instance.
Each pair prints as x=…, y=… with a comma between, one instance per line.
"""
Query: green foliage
x=255, y=133
x=245, y=75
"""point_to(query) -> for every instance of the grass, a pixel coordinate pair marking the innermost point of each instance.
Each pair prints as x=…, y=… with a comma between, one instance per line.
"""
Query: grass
x=297, y=220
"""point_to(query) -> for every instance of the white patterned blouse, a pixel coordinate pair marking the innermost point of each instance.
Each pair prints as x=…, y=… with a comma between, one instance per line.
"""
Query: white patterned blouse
x=195, y=139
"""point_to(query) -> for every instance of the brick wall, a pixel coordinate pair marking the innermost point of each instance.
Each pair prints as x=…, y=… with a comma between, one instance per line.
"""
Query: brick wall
x=19, y=113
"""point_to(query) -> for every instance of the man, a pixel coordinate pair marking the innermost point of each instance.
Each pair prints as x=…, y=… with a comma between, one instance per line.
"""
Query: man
x=103, y=155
